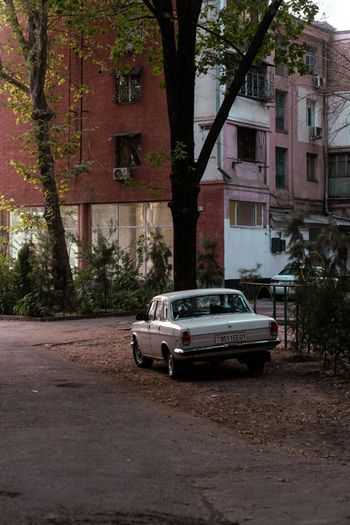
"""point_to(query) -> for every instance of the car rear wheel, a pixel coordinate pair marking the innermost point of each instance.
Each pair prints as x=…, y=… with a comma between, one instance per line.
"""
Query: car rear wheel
x=140, y=360
x=256, y=365
x=174, y=367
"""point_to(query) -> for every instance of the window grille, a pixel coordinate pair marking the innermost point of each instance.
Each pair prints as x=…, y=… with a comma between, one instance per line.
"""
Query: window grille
x=128, y=87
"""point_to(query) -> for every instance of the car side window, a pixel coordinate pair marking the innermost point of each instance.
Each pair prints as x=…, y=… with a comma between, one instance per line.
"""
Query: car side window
x=159, y=311
x=151, y=311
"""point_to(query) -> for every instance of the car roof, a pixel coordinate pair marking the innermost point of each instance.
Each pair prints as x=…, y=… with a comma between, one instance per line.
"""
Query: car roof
x=195, y=293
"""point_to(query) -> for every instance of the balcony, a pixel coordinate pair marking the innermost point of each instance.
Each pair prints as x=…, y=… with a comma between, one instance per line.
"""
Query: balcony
x=257, y=85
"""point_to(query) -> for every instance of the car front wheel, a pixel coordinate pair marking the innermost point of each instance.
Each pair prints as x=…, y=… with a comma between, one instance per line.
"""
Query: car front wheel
x=140, y=360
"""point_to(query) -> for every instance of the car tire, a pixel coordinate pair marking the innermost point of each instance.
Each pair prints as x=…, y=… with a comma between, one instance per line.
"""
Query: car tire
x=140, y=360
x=174, y=367
x=256, y=365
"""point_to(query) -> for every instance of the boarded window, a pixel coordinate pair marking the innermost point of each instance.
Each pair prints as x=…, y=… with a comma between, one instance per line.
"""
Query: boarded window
x=251, y=144
x=128, y=150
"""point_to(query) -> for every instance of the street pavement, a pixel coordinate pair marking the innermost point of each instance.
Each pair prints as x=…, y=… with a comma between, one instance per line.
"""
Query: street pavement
x=78, y=448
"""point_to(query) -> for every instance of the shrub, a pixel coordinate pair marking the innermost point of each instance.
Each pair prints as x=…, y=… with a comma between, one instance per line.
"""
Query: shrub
x=158, y=278
x=321, y=303
x=7, y=285
x=209, y=272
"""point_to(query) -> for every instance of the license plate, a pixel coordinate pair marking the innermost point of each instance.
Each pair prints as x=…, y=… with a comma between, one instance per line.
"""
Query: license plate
x=231, y=338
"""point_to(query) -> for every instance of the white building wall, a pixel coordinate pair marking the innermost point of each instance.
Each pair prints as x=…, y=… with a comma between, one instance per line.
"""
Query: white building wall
x=250, y=112
x=245, y=248
x=339, y=120
x=206, y=106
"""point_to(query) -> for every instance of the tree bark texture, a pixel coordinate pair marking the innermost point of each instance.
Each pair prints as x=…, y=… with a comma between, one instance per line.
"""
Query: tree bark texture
x=41, y=117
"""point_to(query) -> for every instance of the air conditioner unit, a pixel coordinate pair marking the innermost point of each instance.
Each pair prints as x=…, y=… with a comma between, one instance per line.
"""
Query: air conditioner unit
x=121, y=174
x=319, y=82
x=315, y=132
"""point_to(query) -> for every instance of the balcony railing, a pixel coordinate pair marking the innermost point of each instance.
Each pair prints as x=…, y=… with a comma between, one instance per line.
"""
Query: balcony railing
x=339, y=188
x=257, y=86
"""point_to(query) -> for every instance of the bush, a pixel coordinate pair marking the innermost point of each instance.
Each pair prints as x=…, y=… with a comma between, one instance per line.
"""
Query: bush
x=7, y=285
x=158, y=278
x=209, y=273
x=322, y=304
x=35, y=295
x=110, y=278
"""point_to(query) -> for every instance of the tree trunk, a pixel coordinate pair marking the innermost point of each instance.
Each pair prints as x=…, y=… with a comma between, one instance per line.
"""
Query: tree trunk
x=41, y=117
x=61, y=271
x=184, y=208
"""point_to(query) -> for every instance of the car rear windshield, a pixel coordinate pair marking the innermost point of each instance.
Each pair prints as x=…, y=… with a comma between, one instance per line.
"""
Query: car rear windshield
x=211, y=304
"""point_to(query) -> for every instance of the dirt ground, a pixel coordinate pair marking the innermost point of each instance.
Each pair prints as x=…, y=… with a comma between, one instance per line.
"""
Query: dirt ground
x=293, y=405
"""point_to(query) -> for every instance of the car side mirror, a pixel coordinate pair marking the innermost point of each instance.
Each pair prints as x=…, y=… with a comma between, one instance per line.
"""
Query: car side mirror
x=141, y=316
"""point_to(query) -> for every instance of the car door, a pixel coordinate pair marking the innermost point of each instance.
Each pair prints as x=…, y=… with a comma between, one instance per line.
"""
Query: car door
x=144, y=334
x=157, y=330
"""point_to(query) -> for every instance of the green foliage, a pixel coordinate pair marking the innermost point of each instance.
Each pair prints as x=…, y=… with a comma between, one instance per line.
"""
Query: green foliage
x=251, y=275
x=158, y=278
x=7, y=285
x=108, y=273
x=209, y=273
x=321, y=309
x=111, y=279
x=33, y=279
x=234, y=27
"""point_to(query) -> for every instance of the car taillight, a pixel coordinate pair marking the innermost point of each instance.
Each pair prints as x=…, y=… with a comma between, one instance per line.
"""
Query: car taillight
x=186, y=338
x=273, y=329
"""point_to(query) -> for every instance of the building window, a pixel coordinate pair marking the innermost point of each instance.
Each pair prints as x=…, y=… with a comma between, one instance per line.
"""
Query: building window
x=128, y=87
x=339, y=175
x=19, y=234
x=246, y=213
x=311, y=164
x=128, y=150
x=280, y=111
x=310, y=113
x=256, y=84
x=130, y=225
x=339, y=165
x=281, y=56
x=251, y=144
x=281, y=166
x=311, y=61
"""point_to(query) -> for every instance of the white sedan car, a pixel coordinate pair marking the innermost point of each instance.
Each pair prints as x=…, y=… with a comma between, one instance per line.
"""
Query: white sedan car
x=212, y=325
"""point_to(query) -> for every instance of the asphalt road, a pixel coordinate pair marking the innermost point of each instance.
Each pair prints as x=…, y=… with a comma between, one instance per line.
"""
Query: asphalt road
x=77, y=448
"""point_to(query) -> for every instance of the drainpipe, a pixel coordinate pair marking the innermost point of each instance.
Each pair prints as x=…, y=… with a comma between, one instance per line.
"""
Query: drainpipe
x=325, y=124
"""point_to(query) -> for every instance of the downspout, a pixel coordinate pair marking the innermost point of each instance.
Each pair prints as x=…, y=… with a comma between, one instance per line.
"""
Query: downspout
x=81, y=98
x=325, y=142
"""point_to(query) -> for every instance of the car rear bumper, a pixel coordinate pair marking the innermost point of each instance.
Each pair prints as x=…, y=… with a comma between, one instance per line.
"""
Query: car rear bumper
x=225, y=351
